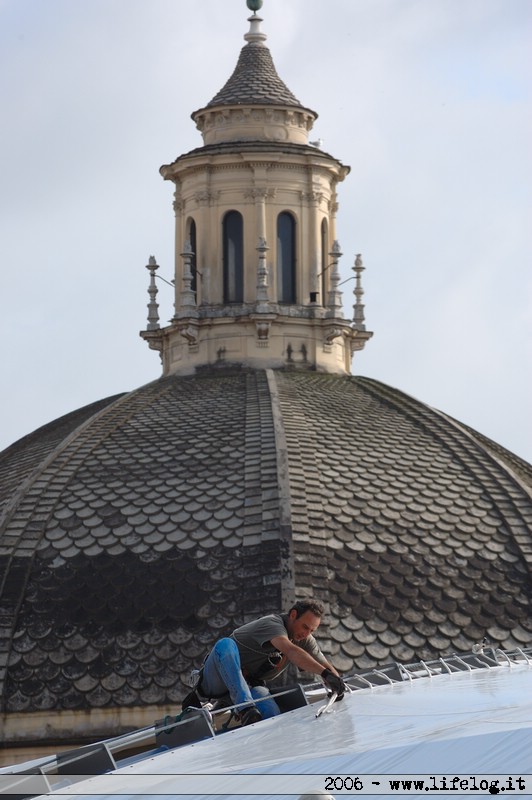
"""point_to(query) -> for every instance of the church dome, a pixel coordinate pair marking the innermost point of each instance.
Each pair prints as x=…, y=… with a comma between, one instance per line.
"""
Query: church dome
x=138, y=530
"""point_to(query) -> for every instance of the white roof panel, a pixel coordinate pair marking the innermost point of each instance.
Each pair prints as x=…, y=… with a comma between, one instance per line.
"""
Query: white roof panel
x=466, y=723
x=469, y=723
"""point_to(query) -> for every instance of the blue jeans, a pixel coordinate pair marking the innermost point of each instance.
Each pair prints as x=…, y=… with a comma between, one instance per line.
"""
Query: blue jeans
x=222, y=673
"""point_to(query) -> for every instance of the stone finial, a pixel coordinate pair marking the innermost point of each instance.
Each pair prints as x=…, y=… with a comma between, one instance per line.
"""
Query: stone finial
x=255, y=35
x=358, y=308
x=188, y=305
x=153, y=306
x=262, y=277
x=334, y=304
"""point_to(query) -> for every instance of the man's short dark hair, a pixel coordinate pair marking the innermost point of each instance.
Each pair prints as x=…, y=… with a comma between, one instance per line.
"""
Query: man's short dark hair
x=300, y=606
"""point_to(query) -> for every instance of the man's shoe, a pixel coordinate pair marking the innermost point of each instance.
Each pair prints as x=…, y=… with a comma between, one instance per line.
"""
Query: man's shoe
x=249, y=716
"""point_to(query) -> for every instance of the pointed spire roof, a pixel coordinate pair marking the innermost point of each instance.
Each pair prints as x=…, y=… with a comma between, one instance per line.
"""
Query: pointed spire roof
x=255, y=80
x=254, y=85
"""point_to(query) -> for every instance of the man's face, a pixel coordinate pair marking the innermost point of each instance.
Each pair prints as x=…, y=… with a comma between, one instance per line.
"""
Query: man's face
x=301, y=627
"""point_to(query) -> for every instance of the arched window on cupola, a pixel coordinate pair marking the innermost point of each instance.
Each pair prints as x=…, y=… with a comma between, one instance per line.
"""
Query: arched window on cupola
x=286, y=258
x=233, y=257
x=324, y=257
x=192, y=238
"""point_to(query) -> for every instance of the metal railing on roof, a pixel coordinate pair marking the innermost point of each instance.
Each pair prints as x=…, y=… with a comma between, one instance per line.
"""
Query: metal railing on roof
x=101, y=756
x=486, y=657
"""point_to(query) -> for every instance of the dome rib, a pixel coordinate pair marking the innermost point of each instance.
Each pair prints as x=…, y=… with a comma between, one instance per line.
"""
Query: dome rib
x=496, y=476
x=145, y=492
x=20, y=460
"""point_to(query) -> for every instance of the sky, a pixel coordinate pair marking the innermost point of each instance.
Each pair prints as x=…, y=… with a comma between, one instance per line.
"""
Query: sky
x=428, y=102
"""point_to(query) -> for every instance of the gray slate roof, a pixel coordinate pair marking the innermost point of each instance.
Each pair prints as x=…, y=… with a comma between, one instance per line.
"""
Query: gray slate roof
x=254, y=82
x=137, y=531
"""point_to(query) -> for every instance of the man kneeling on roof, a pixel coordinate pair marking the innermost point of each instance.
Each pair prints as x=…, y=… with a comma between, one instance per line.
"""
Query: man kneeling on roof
x=259, y=651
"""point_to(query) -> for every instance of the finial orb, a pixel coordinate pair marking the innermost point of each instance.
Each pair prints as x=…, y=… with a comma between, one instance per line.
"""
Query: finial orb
x=254, y=5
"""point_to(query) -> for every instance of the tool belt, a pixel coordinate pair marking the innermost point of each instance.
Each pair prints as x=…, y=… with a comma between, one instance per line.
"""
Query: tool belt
x=273, y=661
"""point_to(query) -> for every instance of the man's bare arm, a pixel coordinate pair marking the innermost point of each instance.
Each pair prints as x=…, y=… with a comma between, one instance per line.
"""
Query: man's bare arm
x=296, y=655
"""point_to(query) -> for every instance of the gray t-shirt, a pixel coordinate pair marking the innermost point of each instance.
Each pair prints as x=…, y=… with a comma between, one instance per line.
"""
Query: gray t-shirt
x=258, y=657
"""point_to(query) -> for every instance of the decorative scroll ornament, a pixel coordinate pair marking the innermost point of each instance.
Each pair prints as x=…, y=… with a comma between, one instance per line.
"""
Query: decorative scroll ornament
x=263, y=329
x=206, y=198
x=189, y=332
x=314, y=197
x=331, y=334
x=259, y=194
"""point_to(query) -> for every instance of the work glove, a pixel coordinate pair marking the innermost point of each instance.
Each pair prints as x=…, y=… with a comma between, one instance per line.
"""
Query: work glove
x=333, y=683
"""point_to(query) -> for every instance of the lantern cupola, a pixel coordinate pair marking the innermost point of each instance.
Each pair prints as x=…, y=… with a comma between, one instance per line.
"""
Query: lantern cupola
x=257, y=279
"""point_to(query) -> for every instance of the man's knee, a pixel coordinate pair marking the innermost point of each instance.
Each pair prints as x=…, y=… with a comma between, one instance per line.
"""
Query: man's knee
x=227, y=648
x=266, y=705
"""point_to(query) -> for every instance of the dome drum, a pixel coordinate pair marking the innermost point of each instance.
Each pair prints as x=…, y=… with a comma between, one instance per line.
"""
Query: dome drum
x=244, y=124
x=258, y=340
x=277, y=301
